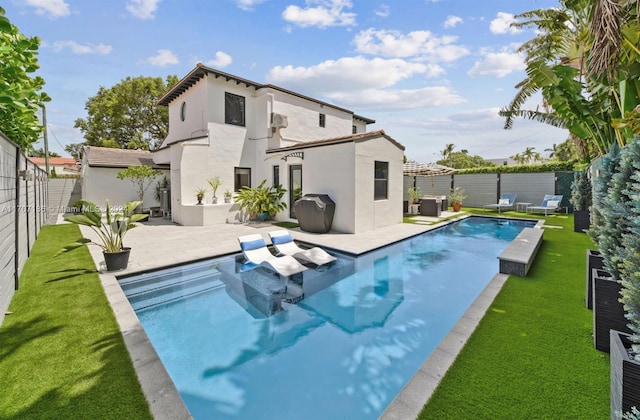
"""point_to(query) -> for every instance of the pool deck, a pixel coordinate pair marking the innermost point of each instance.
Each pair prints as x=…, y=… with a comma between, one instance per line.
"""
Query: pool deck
x=159, y=243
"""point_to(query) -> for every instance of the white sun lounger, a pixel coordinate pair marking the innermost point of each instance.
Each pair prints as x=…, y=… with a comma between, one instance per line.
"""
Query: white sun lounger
x=255, y=251
x=284, y=244
x=506, y=201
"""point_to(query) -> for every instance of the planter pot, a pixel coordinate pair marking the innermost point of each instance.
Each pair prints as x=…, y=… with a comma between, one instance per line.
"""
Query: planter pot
x=263, y=216
x=227, y=200
x=414, y=208
x=117, y=260
x=456, y=206
x=608, y=311
x=214, y=200
x=625, y=375
x=594, y=260
x=581, y=220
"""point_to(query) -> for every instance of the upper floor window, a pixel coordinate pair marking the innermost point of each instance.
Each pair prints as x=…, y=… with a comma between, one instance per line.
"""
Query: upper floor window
x=354, y=129
x=322, y=120
x=234, y=109
x=183, y=111
x=381, y=180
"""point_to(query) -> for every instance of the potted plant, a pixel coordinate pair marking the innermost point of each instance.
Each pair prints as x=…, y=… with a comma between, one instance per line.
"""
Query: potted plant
x=262, y=202
x=227, y=196
x=200, y=192
x=625, y=349
x=110, y=232
x=214, y=183
x=414, y=194
x=456, y=198
x=581, y=200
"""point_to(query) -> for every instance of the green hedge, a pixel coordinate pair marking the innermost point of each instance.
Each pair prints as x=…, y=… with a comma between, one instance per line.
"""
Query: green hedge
x=543, y=167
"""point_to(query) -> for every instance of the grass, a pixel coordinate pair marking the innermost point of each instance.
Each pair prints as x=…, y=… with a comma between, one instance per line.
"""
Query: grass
x=532, y=355
x=61, y=352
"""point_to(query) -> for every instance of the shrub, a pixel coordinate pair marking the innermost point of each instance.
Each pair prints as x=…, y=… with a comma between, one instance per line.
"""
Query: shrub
x=581, y=190
x=261, y=200
x=605, y=167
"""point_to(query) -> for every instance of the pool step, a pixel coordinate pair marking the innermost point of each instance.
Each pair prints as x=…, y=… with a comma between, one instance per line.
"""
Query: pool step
x=161, y=289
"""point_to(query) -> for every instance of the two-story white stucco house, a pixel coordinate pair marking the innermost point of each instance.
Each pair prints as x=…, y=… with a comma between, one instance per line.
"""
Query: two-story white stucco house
x=246, y=132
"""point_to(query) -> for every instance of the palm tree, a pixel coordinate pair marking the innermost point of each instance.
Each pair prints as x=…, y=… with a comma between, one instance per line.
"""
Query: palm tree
x=447, y=152
x=593, y=111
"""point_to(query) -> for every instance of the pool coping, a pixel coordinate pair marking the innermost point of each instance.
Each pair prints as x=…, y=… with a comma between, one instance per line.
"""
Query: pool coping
x=164, y=399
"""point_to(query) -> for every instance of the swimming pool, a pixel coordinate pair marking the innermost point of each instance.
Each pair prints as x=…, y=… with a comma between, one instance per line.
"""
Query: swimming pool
x=335, y=343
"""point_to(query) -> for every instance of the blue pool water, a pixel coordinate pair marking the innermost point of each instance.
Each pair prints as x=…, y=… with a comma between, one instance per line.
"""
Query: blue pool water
x=339, y=342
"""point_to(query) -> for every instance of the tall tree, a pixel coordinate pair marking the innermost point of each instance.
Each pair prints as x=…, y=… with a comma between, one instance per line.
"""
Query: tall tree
x=127, y=115
x=20, y=92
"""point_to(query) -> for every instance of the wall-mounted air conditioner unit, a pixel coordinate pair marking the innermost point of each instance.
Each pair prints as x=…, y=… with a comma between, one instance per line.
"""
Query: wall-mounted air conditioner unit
x=278, y=120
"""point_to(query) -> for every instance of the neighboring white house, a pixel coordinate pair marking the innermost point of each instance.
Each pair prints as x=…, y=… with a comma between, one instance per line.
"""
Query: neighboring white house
x=245, y=132
x=100, y=167
x=58, y=165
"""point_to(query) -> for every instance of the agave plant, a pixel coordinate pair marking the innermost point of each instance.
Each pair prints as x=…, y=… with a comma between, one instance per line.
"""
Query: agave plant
x=110, y=231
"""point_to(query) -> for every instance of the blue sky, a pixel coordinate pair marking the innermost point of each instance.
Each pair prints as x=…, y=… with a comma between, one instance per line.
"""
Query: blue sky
x=430, y=72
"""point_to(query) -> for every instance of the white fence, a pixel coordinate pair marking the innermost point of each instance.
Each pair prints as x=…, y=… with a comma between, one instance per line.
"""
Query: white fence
x=23, y=211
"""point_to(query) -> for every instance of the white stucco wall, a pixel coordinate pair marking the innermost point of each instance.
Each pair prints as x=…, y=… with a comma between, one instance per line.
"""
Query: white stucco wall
x=303, y=118
x=330, y=170
x=369, y=213
x=100, y=184
x=195, y=122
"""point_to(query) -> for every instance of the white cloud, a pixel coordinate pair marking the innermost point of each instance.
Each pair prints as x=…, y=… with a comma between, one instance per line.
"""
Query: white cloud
x=452, y=21
x=52, y=8
x=222, y=60
x=398, y=99
x=391, y=43
x=143, y=9
x=502, y=24
x=497, y=64
x=320, y=13
x=383, y=10
x=364, y=83
x=348, y=74
x=248, y=5
x=163, y=58
x=77, y=48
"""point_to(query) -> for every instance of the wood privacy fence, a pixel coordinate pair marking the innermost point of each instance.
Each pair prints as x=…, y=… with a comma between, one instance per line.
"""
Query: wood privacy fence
x=23, y=210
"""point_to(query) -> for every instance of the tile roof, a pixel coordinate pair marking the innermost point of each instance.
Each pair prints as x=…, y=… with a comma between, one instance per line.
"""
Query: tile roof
x=337, y=140
x=119, y=158
x=54, y=161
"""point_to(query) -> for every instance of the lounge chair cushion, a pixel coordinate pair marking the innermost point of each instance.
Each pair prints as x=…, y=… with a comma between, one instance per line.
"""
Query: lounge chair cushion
x=503, y=202
x=552, y=203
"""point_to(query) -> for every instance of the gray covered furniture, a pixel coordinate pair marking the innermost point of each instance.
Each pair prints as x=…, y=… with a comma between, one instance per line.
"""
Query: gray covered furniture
x=315, y=212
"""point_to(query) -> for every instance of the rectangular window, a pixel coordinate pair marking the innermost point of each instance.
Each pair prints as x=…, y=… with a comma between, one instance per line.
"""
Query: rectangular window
x=381, y=180
x=354, y=129
x=276, y=176
x=242, y=178
x=233, y=109
x=322, y=120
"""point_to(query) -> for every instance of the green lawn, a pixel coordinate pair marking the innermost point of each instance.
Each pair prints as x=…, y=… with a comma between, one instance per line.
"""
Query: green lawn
x=532, y=356
x=61, y=352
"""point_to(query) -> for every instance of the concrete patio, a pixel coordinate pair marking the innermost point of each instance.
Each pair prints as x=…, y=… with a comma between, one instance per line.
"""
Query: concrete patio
x=159, y=243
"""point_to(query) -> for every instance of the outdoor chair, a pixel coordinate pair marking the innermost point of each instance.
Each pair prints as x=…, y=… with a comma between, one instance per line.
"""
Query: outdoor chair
x=506, y=201
x=549, y=203
x=256, y=252
x=284, y=244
